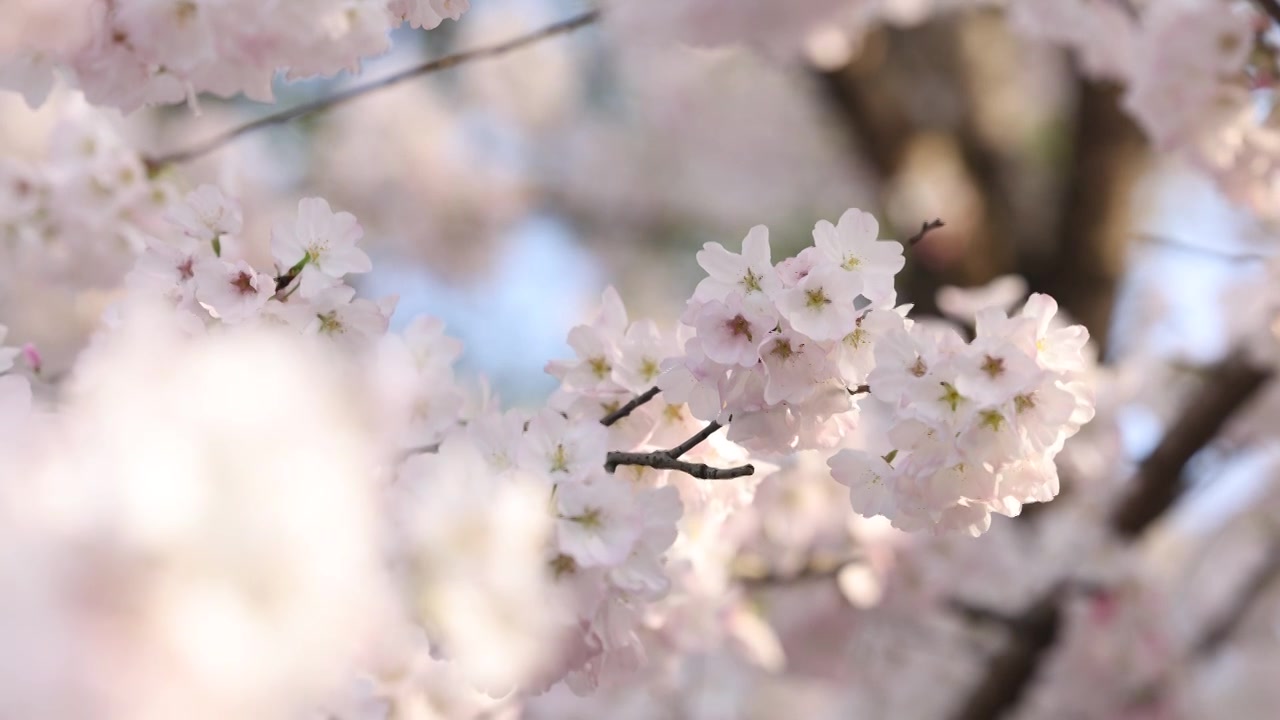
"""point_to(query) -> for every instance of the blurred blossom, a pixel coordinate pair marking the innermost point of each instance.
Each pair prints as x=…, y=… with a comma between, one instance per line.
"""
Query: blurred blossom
x=423, y=190
x=964, y=304
x=205, y=509
x=474, y=563
x=777, y=27
x=43, y=24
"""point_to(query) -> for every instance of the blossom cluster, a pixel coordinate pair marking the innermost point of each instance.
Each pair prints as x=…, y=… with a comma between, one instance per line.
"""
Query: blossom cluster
x=83, y=211
x=511, y=543
x=976, y=424
x=786, y=355
x=141, y=52
x=781, y=349
x=469, y=473
x=1199, y=78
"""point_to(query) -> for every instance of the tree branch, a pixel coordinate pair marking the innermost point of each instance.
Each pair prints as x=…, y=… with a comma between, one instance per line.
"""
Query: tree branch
x=332, y=101
x=1158, y=482
x=662, y=461
x=630, y=407
x=925, y=229
x=694, y=441
x=1229, y=622
x=1218, y=632
x=670, y=459
x=1010, y=671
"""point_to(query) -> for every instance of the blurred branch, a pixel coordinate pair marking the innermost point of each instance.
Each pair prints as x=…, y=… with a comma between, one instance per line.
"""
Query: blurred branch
x=925, y=229
x=983, y=616
x=1155, y=488
x=1224, y=628
x=810, y=572
x=1270, y=7
x=1158, y=482
x=1230, y=621
x=444, y=63
x=1010, y=671
x=630, y=407
x=1208, y=251
x=670, y=459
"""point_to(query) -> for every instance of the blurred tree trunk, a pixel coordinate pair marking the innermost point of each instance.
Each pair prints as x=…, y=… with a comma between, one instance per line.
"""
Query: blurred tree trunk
x=904, y=101
x=1094, y=223
x=923, y=96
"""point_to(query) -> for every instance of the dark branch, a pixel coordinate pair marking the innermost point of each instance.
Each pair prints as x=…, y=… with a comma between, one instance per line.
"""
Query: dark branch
x=630, y=407
x=662, y=461
x=670, y=459
x=283, y=281
x=860, y=390
x=444, y=63
x=694, y=441
x=811, y=571
x=1011, y=670
x=1218, y=633
x=979, y=615
x=1270, y=7
x=1157, y=484
x=925, y=229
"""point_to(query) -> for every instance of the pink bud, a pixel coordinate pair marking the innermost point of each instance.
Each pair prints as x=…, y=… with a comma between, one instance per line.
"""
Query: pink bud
x=32, y=356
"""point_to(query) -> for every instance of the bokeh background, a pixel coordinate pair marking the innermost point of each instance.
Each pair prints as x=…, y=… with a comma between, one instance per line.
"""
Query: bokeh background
x=504, y=196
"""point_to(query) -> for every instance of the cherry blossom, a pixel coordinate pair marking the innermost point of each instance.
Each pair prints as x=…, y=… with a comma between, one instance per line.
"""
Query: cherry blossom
x=206, y=214
x=854, y=246
x=598, y=523
x=321, y=244
x=249, y=497
x=751, y=271
x=141, y=52
x=233, y=291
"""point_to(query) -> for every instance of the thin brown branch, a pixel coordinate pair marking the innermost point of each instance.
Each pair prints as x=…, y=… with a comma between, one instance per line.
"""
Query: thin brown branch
x=694, y=441
x=670, y=459
x=925, y=229
x=860, y=390
x=630, y=407
x=662, y=461
x=332, y=101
